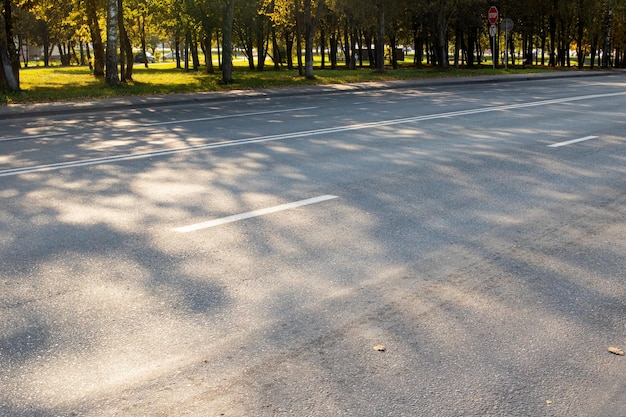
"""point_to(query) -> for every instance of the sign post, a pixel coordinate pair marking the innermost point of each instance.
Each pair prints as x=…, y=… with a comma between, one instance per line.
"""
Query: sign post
x=492, y=17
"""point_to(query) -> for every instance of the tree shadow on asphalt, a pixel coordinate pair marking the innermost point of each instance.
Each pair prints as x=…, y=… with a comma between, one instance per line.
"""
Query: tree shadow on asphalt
x=476, y=299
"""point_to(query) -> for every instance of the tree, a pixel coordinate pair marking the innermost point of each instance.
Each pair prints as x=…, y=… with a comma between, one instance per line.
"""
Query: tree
x=58, y=24
x=112, y=77
x=380, y=39
x=24, y=27
x=282, y=13
x=9, y=59
x=606, y=54
x=125, y=47
x=91, y=10
x=294, y=26
x=244, y=26
x=200, y=19
x=443, y=11
x=51, y=25
x=311, y=20
x=227, y=41
x=209, y=23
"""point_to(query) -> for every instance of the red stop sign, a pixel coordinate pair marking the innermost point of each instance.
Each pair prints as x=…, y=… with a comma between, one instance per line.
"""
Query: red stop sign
x=492, y=15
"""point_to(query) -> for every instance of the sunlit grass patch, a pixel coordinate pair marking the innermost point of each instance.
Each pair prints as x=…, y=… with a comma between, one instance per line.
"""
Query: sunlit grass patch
x=43, y=84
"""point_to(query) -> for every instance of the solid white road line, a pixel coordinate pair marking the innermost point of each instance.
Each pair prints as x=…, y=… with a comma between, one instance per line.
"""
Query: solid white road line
x=251, y=214
x=569, y=142
x=305, y=133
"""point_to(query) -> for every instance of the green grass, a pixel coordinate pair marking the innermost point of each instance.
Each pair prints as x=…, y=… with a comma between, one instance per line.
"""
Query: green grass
x=41, y=84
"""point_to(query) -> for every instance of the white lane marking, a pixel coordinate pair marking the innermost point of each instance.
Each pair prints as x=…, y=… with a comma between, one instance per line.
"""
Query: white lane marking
x=237, y=142
x=229, y=116
x=569, y=142
x=251, y=214
x=43, y=135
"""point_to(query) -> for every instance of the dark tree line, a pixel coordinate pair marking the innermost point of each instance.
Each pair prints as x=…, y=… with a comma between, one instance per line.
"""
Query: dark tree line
x=349, y=33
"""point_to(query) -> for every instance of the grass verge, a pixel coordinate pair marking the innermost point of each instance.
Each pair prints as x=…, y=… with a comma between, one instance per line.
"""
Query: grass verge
x=49, y=84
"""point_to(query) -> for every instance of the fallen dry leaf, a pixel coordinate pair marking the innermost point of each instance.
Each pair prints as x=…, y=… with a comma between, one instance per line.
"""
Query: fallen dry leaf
x=616, y=350
x=379, y=347
x=548, y=402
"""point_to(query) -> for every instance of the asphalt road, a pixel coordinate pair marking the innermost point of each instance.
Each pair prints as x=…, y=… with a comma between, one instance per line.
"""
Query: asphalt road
x=432, y=250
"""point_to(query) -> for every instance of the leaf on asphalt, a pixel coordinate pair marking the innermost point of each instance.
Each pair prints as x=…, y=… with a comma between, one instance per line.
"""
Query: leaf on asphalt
x=380, y=347
x=616, y=350
x=548, y=402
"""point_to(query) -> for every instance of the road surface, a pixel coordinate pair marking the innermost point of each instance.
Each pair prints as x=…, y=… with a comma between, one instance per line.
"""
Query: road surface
x=438, y=250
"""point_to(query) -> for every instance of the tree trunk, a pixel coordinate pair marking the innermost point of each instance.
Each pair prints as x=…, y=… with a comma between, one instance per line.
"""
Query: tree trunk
x=112, y=76
x=194, y=52
x=458, y=36
x=186, y=51
x=419, y=51
x=353, y=53
x=592, y=58
x=528, y=54
x=9, y=59
x=289, y=48
x=392, y=46
x=309, y=34
x=299, y=50
x=142, y=26
x=471, y=42
x=260, y=42
x=87, y=50
x=8, y=81
x=380, y=39
x=444, y=14
x=441, y=47
x=122, y=60
x=208, y=53
x=73, y=54
x=333, y=50
x=64, y=54
x=552, y=59
x=606, y=50
x=308, y=55
x=347, y=50
x=543, y=50
x=177, y=48
x=323, y=47
x=45, y=42
x=219, y=50
x=580, y=33
x=358, y=35
x=245, y=39
x=81, y=48
x=276, y=50
x=227, y=42
x=367, y=40
x=96, y=38
x=126, y=51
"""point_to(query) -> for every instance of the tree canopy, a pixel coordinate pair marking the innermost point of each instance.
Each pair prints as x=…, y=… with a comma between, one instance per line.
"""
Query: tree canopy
x=352, y=33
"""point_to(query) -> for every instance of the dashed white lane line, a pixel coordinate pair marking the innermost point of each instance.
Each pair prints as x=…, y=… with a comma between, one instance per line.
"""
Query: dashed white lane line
x=299, y=134
x=43, y=135
x=169, y=122
x=256, y=213
x=229, y=116
x=569, y=142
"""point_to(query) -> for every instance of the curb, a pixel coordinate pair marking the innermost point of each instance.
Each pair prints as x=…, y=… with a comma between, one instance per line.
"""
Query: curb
x=20, y=111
